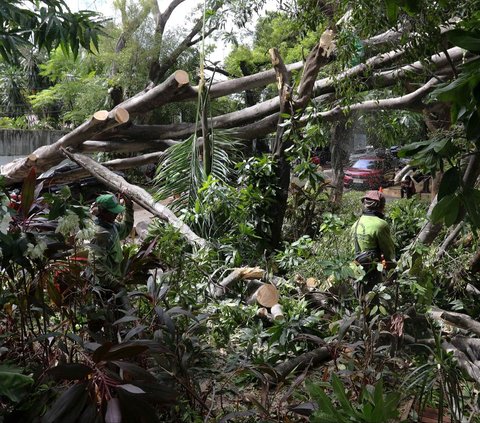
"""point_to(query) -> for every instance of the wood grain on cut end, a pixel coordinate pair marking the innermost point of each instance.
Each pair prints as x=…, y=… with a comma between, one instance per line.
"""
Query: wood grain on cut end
x=182, y=77
x=121, y=115
x=267, y=295
x=100, y=115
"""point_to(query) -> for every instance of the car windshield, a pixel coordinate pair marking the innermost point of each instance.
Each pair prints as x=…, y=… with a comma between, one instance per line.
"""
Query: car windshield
x=366, y=164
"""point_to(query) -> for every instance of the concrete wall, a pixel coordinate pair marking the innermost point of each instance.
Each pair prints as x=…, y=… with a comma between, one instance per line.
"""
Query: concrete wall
x=17, y=142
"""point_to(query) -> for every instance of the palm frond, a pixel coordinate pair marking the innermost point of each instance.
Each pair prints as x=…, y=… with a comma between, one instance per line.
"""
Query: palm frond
x=180, y=174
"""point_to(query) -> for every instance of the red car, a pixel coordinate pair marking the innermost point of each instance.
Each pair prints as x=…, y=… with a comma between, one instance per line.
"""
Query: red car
x=370, y=172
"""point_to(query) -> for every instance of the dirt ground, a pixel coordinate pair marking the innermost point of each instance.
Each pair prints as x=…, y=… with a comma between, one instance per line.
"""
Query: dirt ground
x=140, y=214
x=141, y=219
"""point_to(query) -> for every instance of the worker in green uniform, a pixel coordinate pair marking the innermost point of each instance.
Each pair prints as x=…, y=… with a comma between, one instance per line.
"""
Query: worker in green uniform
x=373, y=241
x=106, y=248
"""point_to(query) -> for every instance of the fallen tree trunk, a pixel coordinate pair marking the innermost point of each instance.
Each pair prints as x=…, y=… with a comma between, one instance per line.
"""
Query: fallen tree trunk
x=120, y=147
x=463, y=362
x=323, y=90
x=46, y=156
x=117, y=164
x=460, y=320
x=403, y=102
x=137, y=194
x=267, y=296
x=151, y=98
x=458, y=348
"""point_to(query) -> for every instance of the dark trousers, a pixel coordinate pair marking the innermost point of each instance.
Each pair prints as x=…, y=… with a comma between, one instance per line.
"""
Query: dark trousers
x=372, y=277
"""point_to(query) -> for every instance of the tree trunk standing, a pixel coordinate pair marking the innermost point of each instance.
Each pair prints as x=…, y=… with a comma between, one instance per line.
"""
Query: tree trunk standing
x=318, y=57
x=282, y=166
x=207, y=140
x=251, y=99
x=340, y=157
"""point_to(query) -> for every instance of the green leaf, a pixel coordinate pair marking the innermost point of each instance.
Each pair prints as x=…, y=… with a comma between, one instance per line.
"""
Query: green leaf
x=446, y=209
x=134, y=371
x=124, y=351
x=125, y=319
x=133, y=389
x=66, y=401
x=70, y=371
x=339, y=390
x=134, y=331
x=13, y=384
x=325, y=405
x=378, y=401
x=345, y=325
x=450, y=182
x=392, y=11
x=456, y=91
x=100, y=352
x=473, y=126
x=136, y=409
x=469, y=40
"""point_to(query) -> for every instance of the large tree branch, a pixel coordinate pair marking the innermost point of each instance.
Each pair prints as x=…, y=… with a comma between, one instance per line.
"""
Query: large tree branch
x=161, y=19
x=460, y=320
x=121, y=147
x=158, y=70
x=151, y=98
x=137, y=194
x=116, y=164
x=318, y=57
x=47, y=156
x=403, y=102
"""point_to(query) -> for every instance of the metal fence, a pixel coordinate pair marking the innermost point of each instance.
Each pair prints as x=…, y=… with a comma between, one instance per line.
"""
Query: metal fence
x=19, y=142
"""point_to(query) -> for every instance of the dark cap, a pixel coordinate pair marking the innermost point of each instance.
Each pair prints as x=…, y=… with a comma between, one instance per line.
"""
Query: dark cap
x=109, y=203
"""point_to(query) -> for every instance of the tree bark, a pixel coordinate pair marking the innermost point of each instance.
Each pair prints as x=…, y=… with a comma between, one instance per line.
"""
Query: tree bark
x=318, y=57
x=282, y=167
x=449, y=239
x=151, y=98
x=120, y=147
x=266, y=125
x=45, y=157
x=245, y=273
x=116, y=164
x=340, y=156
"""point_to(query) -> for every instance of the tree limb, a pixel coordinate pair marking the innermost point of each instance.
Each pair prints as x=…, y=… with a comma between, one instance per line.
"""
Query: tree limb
x=49, y=155
x=449, y=239
x=137, y=194
x=116, y=164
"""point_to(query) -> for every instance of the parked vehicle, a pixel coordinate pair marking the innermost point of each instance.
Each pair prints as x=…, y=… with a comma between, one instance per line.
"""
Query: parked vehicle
x=370, y=172
x=86, y=188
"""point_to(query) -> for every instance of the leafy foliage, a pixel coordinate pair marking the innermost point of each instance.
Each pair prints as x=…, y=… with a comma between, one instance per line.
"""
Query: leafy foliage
x=374, y=404
x=46, y=25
